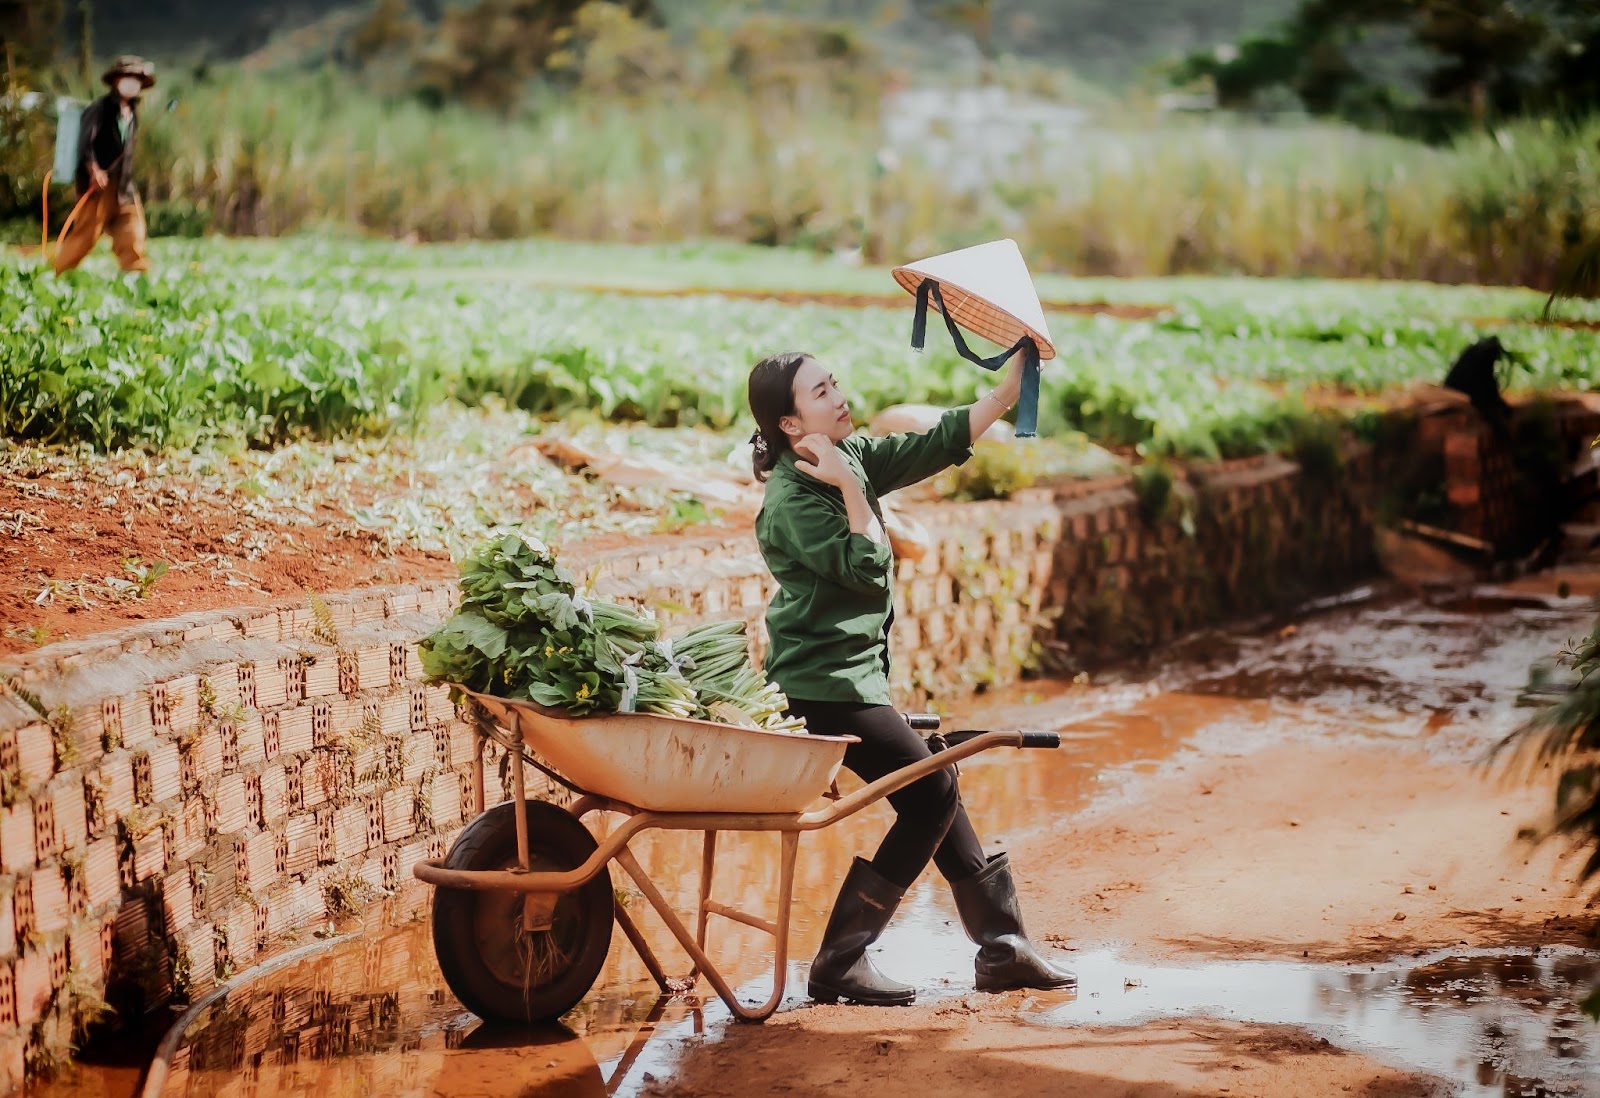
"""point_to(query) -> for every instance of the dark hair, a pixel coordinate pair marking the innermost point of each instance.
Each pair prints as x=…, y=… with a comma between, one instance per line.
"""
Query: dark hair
x=771, y=395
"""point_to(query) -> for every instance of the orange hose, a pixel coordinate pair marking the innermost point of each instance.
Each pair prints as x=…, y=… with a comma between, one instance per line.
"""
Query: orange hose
x=44, y=231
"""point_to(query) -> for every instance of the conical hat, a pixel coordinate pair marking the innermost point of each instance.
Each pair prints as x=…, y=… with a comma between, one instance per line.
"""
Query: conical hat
x=988, y=291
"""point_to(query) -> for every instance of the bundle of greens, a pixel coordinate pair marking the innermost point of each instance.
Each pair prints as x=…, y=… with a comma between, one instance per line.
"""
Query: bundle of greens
x=524, y=630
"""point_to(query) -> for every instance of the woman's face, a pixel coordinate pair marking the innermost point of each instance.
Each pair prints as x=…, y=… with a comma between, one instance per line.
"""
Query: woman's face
x=820, y=407
x=130, y=87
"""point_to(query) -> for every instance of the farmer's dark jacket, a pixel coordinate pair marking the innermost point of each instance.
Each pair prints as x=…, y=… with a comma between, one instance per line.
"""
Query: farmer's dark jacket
x=100, y=137
x=828, y=625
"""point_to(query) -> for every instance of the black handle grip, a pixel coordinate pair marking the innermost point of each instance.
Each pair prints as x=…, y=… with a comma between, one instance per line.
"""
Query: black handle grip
x=1029, y=739
x=923, y=722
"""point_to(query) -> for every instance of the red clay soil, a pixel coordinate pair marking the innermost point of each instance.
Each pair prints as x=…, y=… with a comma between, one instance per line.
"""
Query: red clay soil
x=1118, y=310
x=840, y=300
x=78, y=544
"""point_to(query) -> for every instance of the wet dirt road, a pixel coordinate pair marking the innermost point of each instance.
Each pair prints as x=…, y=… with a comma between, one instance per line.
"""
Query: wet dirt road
x=1272, y=862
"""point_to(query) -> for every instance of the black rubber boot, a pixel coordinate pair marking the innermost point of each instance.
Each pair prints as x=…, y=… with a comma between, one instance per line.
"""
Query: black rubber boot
x=842, y=969
x=989, y=910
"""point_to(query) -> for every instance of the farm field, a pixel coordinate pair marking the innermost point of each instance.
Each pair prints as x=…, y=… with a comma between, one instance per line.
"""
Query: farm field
x=369, y=409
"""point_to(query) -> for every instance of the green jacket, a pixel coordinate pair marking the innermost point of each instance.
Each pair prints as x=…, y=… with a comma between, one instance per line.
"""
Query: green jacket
x=828, y=625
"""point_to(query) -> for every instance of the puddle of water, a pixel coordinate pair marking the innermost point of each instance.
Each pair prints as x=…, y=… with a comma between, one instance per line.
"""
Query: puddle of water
x=375, y=1017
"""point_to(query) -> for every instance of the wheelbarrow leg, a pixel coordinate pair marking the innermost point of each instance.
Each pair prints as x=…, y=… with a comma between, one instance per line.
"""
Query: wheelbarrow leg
x=642, y=948
x=686, y=939
x=708, y=866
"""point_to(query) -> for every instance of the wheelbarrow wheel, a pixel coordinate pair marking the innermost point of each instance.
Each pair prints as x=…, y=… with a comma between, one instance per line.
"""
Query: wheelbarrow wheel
x=498, y=970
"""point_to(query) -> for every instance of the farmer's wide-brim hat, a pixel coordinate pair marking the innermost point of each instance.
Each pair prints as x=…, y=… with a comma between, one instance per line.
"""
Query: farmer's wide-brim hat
x=130, y=65
x=987, y=290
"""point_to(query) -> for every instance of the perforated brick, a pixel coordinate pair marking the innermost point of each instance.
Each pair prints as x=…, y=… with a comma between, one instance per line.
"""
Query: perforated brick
x=29, y=753
x=295, y=730
x=327, y=840
x=175, y=705
x=8, y=998
x=272, y=794
x=372, y=667
x=319, y=779
x=247, y=685
x=149, y=855
x=419, y=708
x=134, y=710
x=18, y=841
x=271, y=744
x=45, y=839
x=83, y=951
x=294, y=784
x=234, y=805
x=111, y=731
x=250, y=738
x=302, y=843
x=397, y=664
x=322, y=676
x=166, y=780
x=321, y=723
x=395, y=714
x=50, y=907
x=375, y=819
x=350, y=832
x=191, y=828
x=228, y=733
x=293, y=670
x=34, y=989
x=72, y=815
x=222, y=685
x=271, y=686
x=463, y=744
x=8, y=931
x=102, y=882
x=22, y=908
x=260, y=860
x=254, y=815
x=445, y=801
x=199, y=886
x=189, y=768
x=56, y=956
x=399, y=815
x=349, y=673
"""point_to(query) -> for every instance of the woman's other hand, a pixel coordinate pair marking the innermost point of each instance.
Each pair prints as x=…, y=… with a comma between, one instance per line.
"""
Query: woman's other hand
x=825, y=465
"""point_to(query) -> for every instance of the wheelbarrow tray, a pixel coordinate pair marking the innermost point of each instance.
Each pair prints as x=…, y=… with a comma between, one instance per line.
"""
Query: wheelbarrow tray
x=669, y=764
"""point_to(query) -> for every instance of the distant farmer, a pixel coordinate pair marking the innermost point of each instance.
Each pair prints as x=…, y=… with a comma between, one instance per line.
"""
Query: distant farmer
x=108, y=203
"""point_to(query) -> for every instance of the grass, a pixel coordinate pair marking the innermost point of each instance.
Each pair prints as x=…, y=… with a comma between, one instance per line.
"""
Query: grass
x=261, y=154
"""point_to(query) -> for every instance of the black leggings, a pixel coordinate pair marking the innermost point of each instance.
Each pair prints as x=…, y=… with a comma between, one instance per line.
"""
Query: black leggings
x=930, y=821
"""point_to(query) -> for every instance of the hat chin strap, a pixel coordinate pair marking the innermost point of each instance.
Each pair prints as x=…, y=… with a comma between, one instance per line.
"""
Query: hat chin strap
x=1028, y=401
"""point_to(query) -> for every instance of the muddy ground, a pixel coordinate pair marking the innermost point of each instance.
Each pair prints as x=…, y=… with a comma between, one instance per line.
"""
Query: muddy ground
x=1325, y=853
x=1342, y=814
x=1276, y=861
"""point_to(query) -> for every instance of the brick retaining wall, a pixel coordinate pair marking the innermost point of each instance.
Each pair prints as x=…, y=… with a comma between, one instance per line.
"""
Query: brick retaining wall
x=177, y=799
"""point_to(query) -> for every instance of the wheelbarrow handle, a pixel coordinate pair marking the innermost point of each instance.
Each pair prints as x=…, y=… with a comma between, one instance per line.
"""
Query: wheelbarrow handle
x=923, y=722
x=1029, y=739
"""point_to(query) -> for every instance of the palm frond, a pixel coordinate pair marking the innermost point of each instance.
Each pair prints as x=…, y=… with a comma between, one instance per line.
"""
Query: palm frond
x=1579, y=276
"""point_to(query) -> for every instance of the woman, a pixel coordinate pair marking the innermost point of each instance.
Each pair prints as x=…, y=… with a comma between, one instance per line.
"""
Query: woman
x=822, y=535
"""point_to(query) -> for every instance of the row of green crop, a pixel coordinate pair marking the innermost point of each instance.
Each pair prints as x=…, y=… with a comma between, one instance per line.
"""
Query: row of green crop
x=264, y=343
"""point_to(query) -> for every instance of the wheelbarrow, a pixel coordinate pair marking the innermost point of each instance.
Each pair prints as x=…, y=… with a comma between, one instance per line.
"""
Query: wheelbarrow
x=524, y=907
